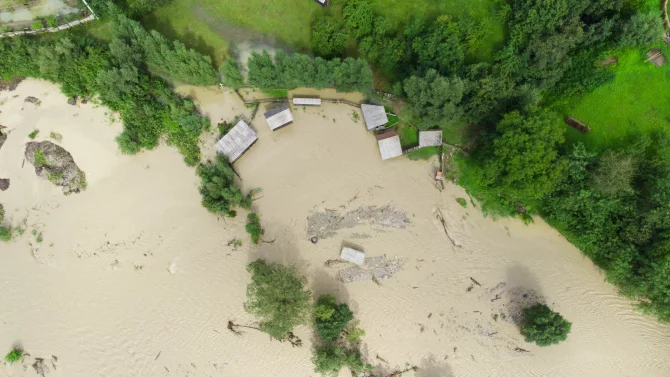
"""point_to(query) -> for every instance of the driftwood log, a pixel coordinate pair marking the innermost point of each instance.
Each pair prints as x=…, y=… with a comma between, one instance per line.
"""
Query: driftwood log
x=577, y=125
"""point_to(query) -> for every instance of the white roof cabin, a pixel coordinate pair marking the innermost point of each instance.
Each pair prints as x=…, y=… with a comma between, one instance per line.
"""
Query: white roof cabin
x=279, y=117
x=375, y=116
x=298, y=101
x=431, y=138
x=237, y=141
x=389, y=145
x=352, y=255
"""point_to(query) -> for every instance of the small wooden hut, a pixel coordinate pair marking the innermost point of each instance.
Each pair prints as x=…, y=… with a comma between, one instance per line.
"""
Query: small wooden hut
x=577, y=125
x=389, y=145
x=237, y=141
x=352, y=255
x=656, y=56
x=279, y=117
x=374, y=116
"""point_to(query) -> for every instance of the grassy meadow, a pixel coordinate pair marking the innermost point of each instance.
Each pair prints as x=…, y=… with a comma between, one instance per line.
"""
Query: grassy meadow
x=635, y=102
x=210, y=26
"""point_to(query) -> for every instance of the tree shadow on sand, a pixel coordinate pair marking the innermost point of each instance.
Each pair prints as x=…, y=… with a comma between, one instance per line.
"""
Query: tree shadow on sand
x=523, y=290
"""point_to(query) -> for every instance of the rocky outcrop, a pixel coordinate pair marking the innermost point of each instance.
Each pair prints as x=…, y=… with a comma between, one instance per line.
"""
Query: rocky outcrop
x=4, y=184
x=10, y=85
x=32, y=99
x=54, y=163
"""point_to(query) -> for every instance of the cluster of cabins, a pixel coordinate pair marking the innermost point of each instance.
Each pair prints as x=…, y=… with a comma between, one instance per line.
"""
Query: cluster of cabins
x=241, y=137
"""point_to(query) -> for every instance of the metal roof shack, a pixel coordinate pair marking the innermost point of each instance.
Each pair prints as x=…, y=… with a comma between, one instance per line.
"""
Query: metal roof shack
x=279, y=117
x=375, y=116
x=389, y=145
x=352, y=255
x=430, y=138
x=237, y=141
x=656, y=56
x=302, y=101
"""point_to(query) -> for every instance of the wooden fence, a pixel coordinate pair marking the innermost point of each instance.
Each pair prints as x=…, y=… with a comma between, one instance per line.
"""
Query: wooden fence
x=58, y=28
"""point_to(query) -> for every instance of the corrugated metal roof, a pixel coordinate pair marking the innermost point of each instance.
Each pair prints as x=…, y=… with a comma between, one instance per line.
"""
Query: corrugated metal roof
x=374, y=116
x=430, y=138
x=307, y=101
x=236, y=141
x=390, y=147
x=278, y=117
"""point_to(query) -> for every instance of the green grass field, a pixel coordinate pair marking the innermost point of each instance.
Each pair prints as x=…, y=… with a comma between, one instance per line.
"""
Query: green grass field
x=210, y=26
x=636, y=102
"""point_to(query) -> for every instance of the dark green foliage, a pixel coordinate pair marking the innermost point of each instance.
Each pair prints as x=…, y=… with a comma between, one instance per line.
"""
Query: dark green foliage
x=462, y=202
x=441, y=47
x=330, y=359
x=543, y=326
x=230, y=73
x=358, y=17
x=522, y=164
x=331, y=318
x=33, y=134
x=622, y=228
x=434, y=99
x=383, y=48
x=297, y=70
x=328, y=37
x=171, y=58
x=142, y=7
x=37, y=25
x=5, y=234
x=642, y=29
x=14, y=355
x=217, y=187
x=277, y=297
x=253, y=227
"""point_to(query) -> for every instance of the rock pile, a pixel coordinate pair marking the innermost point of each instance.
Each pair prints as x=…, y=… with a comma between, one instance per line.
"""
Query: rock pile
x=54, y=163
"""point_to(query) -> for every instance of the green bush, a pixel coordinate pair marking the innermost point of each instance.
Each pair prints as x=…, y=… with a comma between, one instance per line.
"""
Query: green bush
x=40, y=158
x=277, y=297
x=230, y=74
x=51, y=21
x=462, y=202
x=5, y=234
x=218, y=189
x=330, y=359
x=14, y=355
x=328, y=37
x=331, y=318
x=253, y=227
x=37, y=25
x=33, y=134
x=543, y=326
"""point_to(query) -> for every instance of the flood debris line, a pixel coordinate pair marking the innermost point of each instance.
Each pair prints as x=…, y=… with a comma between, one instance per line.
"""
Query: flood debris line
x=325, y=224
x=374, y=268
x=440, y=217
x=54, y=163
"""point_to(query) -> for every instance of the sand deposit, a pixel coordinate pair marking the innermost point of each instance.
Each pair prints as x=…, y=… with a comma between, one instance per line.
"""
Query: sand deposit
x=134, y=278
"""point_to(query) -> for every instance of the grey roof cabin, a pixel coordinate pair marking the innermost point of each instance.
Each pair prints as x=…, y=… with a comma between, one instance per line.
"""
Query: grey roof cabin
x=304, y=101
x=431, y=138
x=375, y=116
x=237, y=141
x=279, y=117
x=389, y=145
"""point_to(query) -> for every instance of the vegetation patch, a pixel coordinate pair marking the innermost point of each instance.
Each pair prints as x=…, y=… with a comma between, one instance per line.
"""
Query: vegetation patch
x=33, y=134
x=220, y=194
x=253, y=227
x=422, y=154
x=14, y=355
x=543, y=326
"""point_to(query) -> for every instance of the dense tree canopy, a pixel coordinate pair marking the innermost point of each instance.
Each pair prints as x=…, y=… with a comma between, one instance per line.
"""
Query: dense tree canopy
x=434, y=99
x=219, y=193
x=230, y=74
x=543, y=326
x=328, y=37
x=331, y=318
x=277, y=297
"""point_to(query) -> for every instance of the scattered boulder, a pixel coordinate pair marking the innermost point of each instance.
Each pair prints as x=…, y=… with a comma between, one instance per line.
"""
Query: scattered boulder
x=4, y=184
x=54, y=163
x=72, y=101
x=3, y=138
x=32, y=99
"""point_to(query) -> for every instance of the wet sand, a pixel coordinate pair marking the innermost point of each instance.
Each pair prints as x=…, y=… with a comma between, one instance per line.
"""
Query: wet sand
x=135, y=278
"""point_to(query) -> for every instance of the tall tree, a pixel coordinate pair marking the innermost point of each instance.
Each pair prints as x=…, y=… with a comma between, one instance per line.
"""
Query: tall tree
x=277, y=296
x=434, y=99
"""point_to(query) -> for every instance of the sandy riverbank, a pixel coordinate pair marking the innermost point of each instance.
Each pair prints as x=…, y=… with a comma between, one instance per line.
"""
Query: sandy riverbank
x=97, y=292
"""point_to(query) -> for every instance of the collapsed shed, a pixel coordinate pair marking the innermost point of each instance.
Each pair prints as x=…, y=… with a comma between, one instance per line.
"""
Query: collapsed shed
x=431, y=138
x=279, y=117
x=656, y=56
x=352, y=255
x=237, y=141
x=389, y=145
x=374, y=116
x=304, y=101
